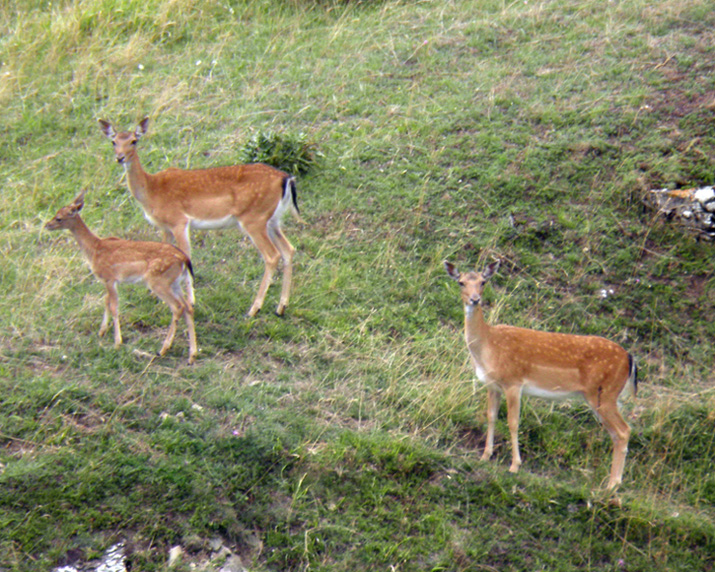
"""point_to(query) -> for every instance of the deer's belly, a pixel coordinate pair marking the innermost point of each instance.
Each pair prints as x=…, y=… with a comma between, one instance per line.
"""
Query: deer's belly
x=537, y=390
x=228, y=221
x=209, y=224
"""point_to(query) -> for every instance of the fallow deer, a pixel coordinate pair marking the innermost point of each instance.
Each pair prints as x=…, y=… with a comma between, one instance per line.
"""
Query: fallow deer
x=513, y=361
x=253, y=197
x=163, y=267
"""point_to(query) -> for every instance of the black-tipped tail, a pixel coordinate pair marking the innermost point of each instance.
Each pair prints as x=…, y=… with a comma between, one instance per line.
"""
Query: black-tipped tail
x=633, y=374
x=289, y=186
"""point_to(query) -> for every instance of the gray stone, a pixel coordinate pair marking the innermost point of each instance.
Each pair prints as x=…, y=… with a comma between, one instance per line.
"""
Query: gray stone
x=175, y=555
x=233, y=564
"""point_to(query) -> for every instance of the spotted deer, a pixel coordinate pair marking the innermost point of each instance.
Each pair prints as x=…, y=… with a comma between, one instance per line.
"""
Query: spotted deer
x=253, y=197
x=163, y=268
x=512, y=361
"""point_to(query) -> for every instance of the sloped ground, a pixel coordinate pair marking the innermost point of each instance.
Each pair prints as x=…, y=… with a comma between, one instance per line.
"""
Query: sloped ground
x=346, y=436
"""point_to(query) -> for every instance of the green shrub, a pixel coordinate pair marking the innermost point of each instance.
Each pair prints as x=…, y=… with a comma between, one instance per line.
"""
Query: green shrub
x=291, y=153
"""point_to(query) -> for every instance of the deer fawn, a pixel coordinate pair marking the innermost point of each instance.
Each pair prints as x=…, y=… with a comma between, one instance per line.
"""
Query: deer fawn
x=513, y=361
x=253, y=197
x=162, y=266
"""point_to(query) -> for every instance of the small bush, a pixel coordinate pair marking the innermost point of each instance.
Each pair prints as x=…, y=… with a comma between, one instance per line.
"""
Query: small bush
x=290, y=153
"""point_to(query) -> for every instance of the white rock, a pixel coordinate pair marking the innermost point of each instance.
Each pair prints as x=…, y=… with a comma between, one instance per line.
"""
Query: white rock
x=113, y=560
x=704, y=195
x=222, y=554
x=233, y=564
x=175, y=555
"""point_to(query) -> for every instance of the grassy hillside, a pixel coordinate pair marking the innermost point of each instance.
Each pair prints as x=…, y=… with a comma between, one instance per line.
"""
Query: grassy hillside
x=347, y=435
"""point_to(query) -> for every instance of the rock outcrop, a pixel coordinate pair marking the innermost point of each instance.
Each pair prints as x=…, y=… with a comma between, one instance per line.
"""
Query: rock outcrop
x=693, y=208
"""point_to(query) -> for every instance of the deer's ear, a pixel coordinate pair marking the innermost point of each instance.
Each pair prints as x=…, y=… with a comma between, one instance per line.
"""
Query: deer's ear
x=78, y=202
x=107, y=128
x=491, y=269
x=451, y=270
x=142, y=128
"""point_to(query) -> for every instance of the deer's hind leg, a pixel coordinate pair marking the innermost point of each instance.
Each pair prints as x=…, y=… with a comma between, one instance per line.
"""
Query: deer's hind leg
x=188, y=315
x=165, y=285
x=287, y=251
x=606, y=409
x=258, y=232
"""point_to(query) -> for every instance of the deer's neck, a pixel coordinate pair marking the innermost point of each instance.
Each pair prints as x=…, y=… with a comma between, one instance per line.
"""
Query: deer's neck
x=87, y=240
x=476, y=330
x=137, y=178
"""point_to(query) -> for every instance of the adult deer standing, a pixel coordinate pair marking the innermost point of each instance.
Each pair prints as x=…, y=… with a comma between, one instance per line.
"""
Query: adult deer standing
x=513, y=361
x=253, y=197
x=162, y=266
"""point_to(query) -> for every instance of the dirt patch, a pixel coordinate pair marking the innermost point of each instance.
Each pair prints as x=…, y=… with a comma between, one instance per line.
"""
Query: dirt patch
x=471, y=438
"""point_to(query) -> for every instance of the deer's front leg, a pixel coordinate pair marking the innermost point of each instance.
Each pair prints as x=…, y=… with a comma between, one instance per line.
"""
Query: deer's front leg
x=493, y=398
x=513, y=407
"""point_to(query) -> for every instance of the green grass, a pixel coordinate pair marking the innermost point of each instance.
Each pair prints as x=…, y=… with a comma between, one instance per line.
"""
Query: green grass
x=346, y=436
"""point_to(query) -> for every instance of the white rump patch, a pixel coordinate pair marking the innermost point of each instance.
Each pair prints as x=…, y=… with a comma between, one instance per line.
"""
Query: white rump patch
x=283, y=206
